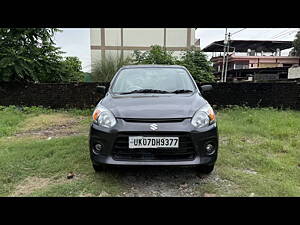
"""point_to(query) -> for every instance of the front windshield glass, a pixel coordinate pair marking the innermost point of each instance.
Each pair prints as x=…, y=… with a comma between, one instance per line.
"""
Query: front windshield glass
x=163, y=79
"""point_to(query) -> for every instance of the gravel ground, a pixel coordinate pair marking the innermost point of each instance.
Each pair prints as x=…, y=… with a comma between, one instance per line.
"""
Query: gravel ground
x=164, y=181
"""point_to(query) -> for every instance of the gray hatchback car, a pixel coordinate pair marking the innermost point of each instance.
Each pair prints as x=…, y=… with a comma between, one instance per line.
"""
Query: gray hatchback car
x=154, y=115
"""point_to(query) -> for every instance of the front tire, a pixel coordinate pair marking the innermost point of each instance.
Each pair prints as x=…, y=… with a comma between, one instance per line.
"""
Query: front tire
x=205, y=169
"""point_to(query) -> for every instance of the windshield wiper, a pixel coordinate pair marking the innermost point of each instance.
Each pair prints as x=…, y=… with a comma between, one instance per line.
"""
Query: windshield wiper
x=145, y=91
x=181, y=91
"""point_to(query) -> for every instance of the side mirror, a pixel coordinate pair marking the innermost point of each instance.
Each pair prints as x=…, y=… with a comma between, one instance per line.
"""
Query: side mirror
x=206, y=88
x=101, y=89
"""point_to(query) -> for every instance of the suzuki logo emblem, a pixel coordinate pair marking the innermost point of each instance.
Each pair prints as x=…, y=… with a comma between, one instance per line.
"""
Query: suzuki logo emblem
x=153, y=126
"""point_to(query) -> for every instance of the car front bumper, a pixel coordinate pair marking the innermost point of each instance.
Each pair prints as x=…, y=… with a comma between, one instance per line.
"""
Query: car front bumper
x=115, y=149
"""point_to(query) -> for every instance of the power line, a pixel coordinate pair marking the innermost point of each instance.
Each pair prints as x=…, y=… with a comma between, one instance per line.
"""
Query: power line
x=265, y=31
x=289, y=34
x=286, y=34
x=281, y=34
x=238, y=31
x=260, y=33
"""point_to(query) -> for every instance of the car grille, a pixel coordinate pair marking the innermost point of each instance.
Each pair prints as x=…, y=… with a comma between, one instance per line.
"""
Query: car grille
x=185, y=151
x=172, y=120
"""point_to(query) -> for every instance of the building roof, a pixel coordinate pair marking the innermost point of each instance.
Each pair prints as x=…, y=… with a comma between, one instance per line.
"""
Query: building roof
x=244, y=45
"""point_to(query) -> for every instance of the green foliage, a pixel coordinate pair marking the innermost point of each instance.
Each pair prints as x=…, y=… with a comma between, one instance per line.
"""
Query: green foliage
x=88, y=77
x=198, y=65
x=194, y=60
x=105, y=69
x=36, y=110
x=157, y=55
x=30, y=55
x=10, y=118
x=72, y=70
x=296, y=44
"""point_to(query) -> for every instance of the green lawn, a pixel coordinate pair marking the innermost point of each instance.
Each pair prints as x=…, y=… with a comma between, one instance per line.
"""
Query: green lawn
x=259, y=154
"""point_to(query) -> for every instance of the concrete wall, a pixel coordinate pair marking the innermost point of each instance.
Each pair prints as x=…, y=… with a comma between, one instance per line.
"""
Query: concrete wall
x=118, y=41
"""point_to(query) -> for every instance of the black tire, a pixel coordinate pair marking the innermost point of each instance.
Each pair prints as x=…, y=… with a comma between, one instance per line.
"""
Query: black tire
x=98, y=168
x=206, y=169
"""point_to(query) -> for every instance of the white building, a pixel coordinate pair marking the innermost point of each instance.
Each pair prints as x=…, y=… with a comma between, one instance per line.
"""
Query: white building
x=123, y=41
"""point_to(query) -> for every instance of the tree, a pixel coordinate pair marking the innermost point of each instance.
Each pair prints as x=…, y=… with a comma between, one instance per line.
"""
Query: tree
x=194, y=60
x=156, y=55
x=30, y=55
x=198, y=65
x=296, y=44
x=72, y=70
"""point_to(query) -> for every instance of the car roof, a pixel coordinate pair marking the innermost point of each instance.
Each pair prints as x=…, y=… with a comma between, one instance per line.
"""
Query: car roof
x=152, y=66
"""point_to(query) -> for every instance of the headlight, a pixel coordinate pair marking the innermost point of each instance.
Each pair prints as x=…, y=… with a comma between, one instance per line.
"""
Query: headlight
x=103, y=117
x=203, y=117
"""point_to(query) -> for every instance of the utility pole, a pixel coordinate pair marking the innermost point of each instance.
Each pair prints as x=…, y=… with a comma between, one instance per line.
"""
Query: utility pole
x=223, y=64
x=227, y=56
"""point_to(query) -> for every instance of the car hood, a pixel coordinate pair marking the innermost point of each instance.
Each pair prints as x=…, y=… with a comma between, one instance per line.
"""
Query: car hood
x=153, y=105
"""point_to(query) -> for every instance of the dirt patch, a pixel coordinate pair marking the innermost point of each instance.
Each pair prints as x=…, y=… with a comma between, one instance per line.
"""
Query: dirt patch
x=102, y=194
x=32, y=184
x=165, y=181
x=29, y=185
x=51, y=126
x=250, y=171
x=223, y=140
x=87, y=195
x=45, y=120
x=209, y=195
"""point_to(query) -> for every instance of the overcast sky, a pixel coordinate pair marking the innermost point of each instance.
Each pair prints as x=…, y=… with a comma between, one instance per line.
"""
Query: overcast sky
x=76, y=41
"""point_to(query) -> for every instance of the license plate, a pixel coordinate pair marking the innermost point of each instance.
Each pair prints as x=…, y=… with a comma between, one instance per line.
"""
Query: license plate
x=153, y=142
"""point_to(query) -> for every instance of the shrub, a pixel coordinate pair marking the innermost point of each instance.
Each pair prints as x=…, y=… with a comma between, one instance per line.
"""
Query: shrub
x=105, y=69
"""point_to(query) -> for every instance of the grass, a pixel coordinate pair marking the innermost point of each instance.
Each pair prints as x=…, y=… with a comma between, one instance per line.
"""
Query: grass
x=52, y=159
x=259, y=154
x=26, y=160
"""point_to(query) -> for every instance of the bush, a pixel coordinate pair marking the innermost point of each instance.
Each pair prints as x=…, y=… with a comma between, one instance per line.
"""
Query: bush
x=104, y=70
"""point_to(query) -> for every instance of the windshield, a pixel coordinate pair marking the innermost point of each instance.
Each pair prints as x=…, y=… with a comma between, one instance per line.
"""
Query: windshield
x=153, y=80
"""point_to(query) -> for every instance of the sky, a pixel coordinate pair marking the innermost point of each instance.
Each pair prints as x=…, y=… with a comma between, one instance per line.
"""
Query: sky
x=76, y=41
